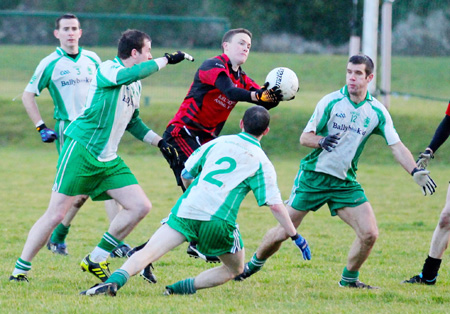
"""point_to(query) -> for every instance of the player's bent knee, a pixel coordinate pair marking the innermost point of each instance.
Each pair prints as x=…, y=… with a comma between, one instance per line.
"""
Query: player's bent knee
x=444, y=220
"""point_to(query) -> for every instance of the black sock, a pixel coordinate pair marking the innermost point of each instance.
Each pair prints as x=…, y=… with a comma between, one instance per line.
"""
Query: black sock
x=431, y=268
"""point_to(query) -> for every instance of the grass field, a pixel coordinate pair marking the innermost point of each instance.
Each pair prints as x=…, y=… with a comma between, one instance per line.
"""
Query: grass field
x=287, y=284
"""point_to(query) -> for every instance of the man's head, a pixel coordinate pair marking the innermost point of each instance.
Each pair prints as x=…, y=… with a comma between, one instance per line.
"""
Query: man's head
x=68, y=31
x=359, y=74
x=136, y=45
x=256, y=121
x=236, y=45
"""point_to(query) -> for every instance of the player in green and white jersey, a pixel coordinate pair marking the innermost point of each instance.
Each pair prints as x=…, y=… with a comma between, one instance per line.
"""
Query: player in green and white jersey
x=337, y=131
x=219, y=174
x=67, y=74
x=88, y=163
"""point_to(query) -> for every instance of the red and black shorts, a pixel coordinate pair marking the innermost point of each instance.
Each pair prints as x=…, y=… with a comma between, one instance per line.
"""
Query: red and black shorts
x=185, y=141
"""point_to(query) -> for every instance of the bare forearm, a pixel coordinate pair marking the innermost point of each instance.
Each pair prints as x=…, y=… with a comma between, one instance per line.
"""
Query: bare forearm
x=403, y=156
x=29, y=102
x=281, y=214
x=310, y=139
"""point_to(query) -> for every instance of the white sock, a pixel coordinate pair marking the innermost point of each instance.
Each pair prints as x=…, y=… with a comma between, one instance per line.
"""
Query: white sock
x=99, y=255
x=17, y=271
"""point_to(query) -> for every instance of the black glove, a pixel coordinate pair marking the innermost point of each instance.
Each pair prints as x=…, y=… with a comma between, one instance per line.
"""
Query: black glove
x=272, y=95
x=177, y=56
x=329, y=142
x=170, y=153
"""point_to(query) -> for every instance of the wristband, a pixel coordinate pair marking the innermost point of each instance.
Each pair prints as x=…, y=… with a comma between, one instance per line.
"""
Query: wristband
x=40, y=127
x=414, y=171
x=295, y=237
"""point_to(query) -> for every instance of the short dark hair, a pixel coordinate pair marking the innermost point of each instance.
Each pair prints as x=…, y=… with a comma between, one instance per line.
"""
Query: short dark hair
x=256, y=120
x=131, y=39
x=229, y=35
x=363, y=59
x=67, y=16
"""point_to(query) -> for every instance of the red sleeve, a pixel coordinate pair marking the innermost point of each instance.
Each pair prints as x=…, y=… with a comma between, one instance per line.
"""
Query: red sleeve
x=447, y=112
x=210, y=70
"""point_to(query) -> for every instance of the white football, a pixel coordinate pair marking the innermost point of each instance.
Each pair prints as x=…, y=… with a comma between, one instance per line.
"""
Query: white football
x=285, y=79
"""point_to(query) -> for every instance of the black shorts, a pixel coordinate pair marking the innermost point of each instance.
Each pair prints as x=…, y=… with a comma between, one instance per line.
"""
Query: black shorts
x=185, y=141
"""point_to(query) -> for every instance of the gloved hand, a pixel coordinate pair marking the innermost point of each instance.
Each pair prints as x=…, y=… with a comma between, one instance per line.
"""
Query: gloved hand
x=329, y=142
x=177, y=56
x=169, y=152
x=424, y=180
x=272, y=95
x=47, y=135
x=301, y=243
x=424, y=159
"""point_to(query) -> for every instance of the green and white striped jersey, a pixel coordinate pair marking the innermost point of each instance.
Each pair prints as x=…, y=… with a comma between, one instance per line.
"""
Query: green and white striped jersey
x=225, y=170
x=112, y=108
x=67, y=81
x=336, y=113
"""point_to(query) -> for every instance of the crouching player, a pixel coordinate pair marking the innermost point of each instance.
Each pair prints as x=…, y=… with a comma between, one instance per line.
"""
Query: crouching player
x=222, y=172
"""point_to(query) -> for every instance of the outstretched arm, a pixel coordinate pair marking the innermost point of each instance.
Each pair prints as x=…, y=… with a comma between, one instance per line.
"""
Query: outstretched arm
x=403, y=156
x=420, y=176
x=280, y=213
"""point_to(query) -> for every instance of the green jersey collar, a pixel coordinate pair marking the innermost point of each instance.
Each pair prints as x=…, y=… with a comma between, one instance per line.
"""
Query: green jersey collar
x=344, y=91
x=63, y=53
x=249, y=138
x=117, y=60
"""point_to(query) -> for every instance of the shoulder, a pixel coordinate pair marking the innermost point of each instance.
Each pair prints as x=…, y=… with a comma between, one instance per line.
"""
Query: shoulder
x=91, y=54
x=50, y=58
x=211, y=63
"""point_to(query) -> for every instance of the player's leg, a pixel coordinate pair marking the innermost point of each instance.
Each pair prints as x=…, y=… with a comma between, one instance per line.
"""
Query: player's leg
x=233, y=265
x=56, y=243
x=362, y=219
x=185, y=143
x=162, y=241
x=40, y=232
x=270, y=244
x=439, y=244
x=136, y=206
x=112, y=208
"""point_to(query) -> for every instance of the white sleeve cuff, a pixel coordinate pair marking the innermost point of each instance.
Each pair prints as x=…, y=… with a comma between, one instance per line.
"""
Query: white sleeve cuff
x=150, y=137
x=161, y=62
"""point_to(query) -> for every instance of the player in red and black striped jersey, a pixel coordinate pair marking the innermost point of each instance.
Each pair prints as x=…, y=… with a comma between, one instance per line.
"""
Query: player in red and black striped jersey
x=218, y=85
x=441, y=235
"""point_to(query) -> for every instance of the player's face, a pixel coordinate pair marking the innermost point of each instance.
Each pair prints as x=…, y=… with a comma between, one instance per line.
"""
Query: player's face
x=145, y=53
x=357, y=80
x=68, y=33
x=238, y=48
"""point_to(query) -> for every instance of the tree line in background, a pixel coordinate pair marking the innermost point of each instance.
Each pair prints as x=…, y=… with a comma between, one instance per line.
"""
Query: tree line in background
x=314, y=26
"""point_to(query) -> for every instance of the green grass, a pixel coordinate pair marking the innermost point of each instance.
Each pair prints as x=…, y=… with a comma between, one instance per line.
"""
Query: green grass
x=406, y=221
x=287, y=284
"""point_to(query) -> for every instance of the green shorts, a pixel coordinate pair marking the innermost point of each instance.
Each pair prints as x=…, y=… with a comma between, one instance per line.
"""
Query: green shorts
x=312, y=190
x=80, y=173
x=60, y=127
x=214, y=237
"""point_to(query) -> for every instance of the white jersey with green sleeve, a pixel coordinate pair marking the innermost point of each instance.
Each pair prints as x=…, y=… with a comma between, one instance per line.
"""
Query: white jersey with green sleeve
x=66, y=79
x=112, y=108
x=336, y=113
x=225, y=170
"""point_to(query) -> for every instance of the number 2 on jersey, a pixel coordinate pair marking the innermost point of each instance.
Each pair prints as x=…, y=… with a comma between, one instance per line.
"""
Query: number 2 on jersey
x=209, y=177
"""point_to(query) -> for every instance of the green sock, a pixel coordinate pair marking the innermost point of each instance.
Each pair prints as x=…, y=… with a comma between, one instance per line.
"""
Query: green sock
x=349, y=276
x=59, y=234
x=256, y=264
x=183, y=287
x=108, y=242
x=120, y=277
